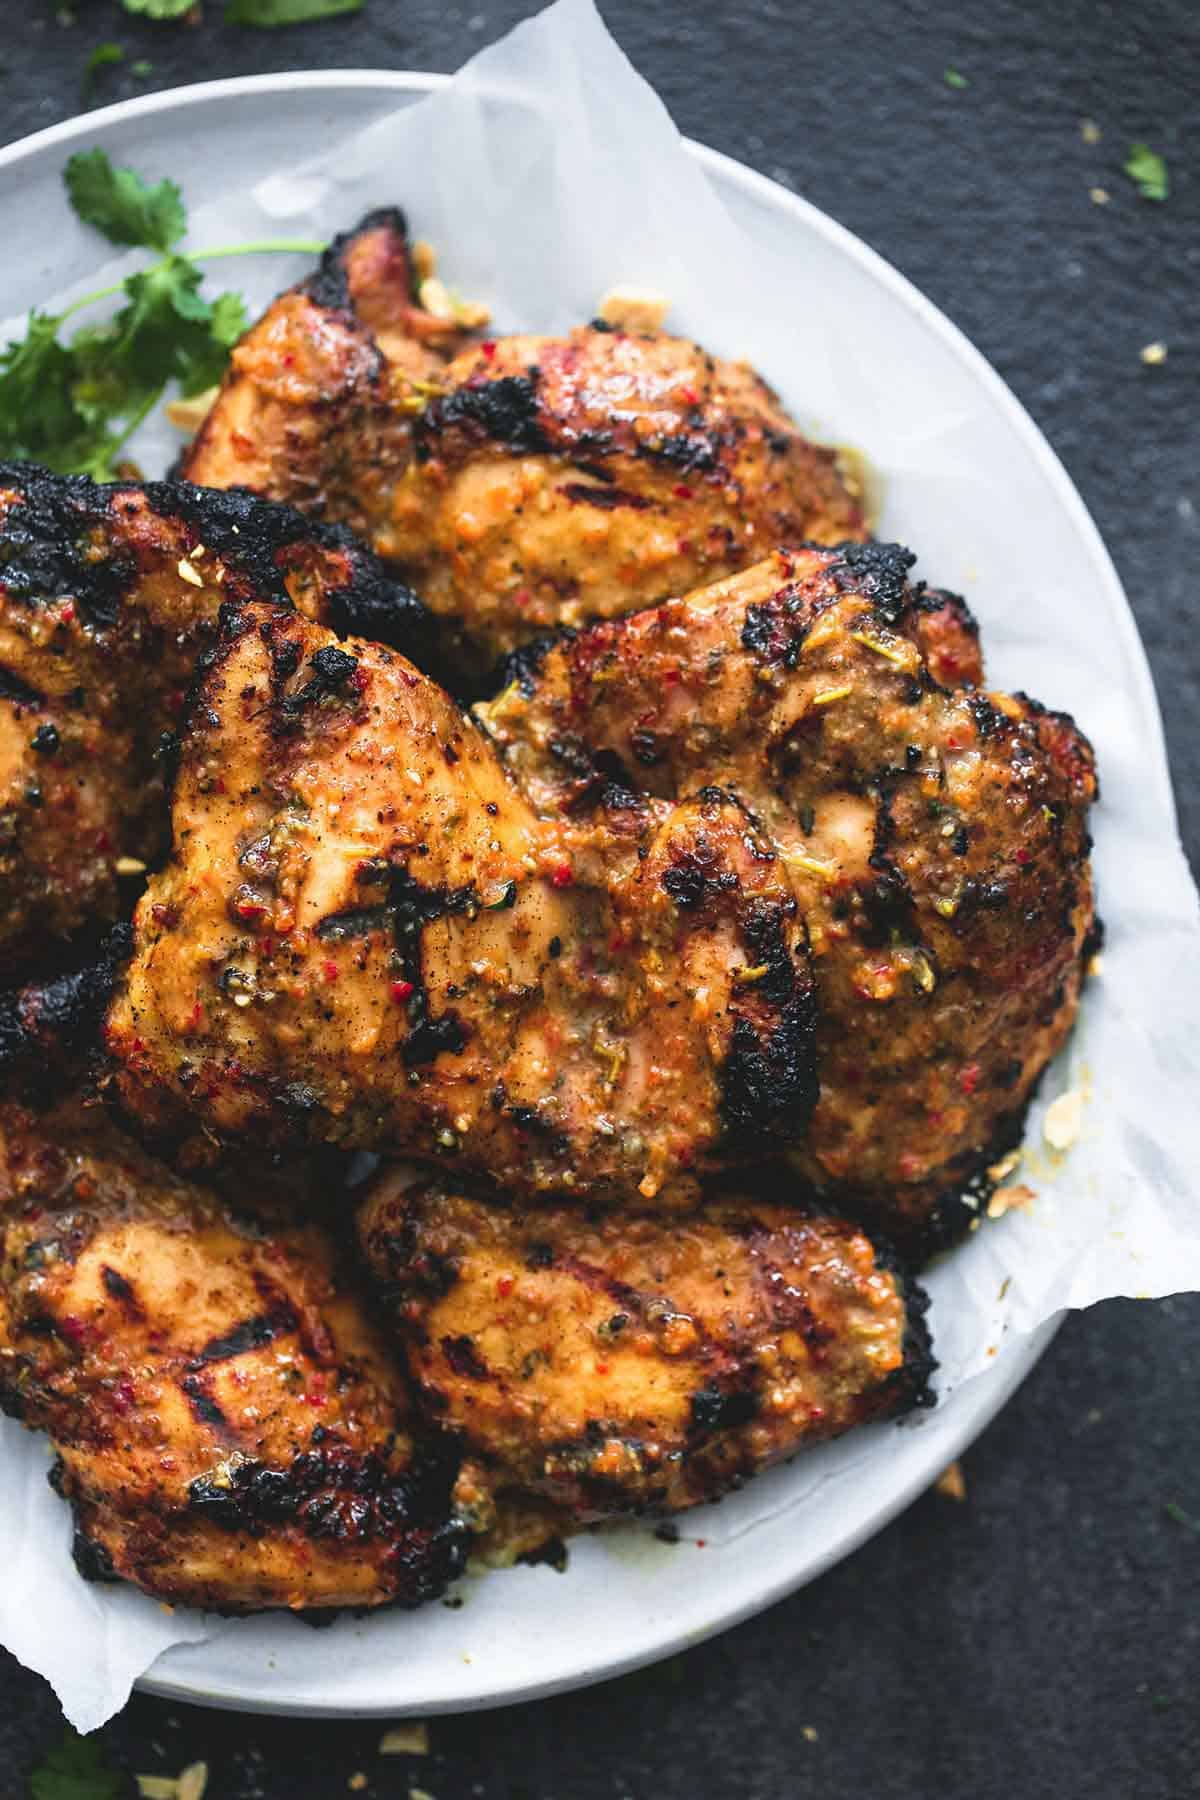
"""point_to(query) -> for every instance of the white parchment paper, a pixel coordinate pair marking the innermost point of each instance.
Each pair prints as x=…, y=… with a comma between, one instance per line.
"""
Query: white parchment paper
x=546, y=172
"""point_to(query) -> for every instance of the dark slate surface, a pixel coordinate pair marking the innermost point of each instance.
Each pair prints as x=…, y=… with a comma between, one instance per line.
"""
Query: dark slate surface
x=1043, y=1637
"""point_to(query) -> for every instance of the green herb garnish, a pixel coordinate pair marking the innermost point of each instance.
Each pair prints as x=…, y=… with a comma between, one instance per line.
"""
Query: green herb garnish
x=954, y=79
x=1148, y=171
x=159, y=9
x=76, y=1769
x=1174, y=1511
x=100, y=58
x=73, y=404
x=270, y=13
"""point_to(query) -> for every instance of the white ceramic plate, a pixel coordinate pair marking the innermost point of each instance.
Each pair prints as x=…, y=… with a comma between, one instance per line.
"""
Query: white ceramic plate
x=626, y=1599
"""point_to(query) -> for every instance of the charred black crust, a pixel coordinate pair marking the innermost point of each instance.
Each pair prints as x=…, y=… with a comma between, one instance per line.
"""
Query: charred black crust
x=48, y=1027
x=506, y=411
x=18, y=692
x=933, y=600
x=328, y=286
x=335, y=1493
x=715, y=1408
x=46, y=534
x=878, y=571
x=91, y=1558
x=769, y=1078
x=523, y=666
x=251, y=1334
x=372, y=605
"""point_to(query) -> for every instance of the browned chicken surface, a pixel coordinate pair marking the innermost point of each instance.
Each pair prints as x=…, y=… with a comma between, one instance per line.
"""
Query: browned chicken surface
x=937, y=838
x=232, y=1430
x=534, y=481
x=562, y=479
x=107, y=595
x=633, y=1362
x=365, y=935
x=317, y=405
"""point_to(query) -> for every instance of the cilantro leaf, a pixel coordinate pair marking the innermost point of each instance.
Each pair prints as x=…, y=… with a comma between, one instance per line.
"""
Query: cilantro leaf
x=269, y=13
x=159, y=9
x=123, y=206
x=39, y=418
x=201, y=364
x=1148, y=171
x=76, y=1769
x=100, y=56
x=954, y=79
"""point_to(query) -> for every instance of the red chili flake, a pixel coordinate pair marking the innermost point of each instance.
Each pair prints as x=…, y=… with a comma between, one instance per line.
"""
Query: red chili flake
x=67, y=612
x=330, y=971
x=700, y=1543
x=684, y=546
x=953, y=743
x=691, y=397
x=250, y=909
x=1024, y=856
x=400, y=991
x=268, y=946
x=562, y=875
x=122, y=1396
x=196, y=1016
x=359, y=680
x=618, y=941
x=521, y=597
x=683, y=491
x=488, y=348
x=316, y=1400
x=602, y=1368
x=505, y=1286
x=968, y=1080
x=103, y=842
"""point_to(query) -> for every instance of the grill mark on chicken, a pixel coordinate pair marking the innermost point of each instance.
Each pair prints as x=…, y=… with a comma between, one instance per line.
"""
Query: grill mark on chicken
x=216, y=1450
x=108, y=594
x=251, y=1334
x=618, y=1363
x=322, y=407
x=535, y=1003
x=937, y=837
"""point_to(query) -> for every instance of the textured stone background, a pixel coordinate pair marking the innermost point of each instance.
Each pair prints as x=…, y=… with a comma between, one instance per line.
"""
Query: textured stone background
x=1042, y=1638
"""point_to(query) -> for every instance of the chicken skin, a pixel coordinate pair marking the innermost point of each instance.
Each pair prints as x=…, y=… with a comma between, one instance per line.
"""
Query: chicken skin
x=631, y=1362
x=532, y=482
x=937, y=839
x=317, y=405
x=107, y=596
x=232, y=1430
x=365, y=935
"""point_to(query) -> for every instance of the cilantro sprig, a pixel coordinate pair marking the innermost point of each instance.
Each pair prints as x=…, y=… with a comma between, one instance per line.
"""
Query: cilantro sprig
x=76, y=1769
x=74, y=403
x=1148, y=172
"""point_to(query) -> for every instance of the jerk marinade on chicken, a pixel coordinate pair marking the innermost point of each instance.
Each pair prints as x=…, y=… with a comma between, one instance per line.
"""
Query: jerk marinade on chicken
x=735, y=929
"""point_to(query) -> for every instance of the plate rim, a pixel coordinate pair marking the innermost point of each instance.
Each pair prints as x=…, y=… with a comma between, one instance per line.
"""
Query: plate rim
x=995, y=1387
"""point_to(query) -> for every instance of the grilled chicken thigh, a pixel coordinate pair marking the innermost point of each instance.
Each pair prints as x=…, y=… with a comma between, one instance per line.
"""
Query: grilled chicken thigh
x=633, y=1362
x=534, y=481
x=107, y=595
x=366, y=936
x=317, y=405
x=561, y=479
x=937, y=838
x=232, y=1430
